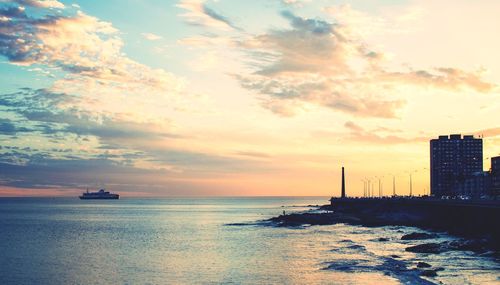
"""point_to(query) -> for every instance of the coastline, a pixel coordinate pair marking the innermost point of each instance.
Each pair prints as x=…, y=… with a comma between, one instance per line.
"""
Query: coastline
x=476, y=223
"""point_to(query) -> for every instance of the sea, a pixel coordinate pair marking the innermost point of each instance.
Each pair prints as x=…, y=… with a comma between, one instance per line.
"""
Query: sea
x=210, y=241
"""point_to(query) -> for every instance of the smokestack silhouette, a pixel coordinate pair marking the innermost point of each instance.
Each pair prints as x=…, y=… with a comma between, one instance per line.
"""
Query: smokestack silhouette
x=343, y=183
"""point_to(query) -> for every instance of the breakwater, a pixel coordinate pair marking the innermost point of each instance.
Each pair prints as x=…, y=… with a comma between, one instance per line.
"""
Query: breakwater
x=464, y=218
x=470, y=219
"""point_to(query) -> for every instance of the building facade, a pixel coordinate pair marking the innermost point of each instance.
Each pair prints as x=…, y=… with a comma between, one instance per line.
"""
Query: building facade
x=474, y=186
x=455, y=160
x=495, y=177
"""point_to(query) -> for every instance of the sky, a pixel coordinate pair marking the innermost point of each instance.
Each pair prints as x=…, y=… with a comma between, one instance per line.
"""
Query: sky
x=240, y=98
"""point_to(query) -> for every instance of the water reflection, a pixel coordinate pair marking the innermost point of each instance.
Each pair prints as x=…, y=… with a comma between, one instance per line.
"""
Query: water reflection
x=186, y=241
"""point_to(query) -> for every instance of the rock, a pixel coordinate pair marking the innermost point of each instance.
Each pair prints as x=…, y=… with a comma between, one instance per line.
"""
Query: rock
x=356, y=246
x=471, y=245
x=423, y=265
x=478, y=246
x=383, y=239
x=299, y=219
x=418, y=236
x=428, y=273
x=426, y=248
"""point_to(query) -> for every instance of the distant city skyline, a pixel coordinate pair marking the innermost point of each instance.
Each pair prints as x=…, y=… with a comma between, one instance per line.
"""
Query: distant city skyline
x=247, y=98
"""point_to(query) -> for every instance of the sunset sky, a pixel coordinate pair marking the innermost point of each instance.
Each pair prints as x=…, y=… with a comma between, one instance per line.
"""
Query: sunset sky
x=229, y=97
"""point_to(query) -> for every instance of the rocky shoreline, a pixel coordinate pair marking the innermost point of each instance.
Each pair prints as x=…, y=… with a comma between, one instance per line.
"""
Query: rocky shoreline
x=474, y=236
x=427, y=243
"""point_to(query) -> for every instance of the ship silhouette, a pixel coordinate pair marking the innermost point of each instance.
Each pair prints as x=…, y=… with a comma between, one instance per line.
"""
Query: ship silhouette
x=101, y=194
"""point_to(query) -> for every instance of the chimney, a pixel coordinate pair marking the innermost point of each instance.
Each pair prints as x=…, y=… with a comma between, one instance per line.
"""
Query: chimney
x=343, y=183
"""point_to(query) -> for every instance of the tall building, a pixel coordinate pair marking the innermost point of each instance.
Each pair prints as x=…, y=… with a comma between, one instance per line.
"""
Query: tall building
x=477, y=185
x=495, y=176
x=453, y=161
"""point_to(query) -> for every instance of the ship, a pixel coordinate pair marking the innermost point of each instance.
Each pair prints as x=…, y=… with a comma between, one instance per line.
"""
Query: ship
x=101, y=194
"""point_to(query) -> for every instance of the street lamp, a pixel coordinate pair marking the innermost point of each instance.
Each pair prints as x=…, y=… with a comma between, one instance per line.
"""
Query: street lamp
x=411, y=184
x=380, y=193
x=393, y=185
x=364, y=187
x=369, y=188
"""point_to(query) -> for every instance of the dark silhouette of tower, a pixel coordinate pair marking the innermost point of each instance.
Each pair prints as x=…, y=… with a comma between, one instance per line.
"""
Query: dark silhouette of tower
x=393, y=185
x=343, y=183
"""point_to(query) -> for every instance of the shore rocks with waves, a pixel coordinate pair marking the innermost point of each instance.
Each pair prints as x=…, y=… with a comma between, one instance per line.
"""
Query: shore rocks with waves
x=418, y=236
x=427, y=248
x=472, y=222
x=479, y=245
x=300, y=219
x=475, y=245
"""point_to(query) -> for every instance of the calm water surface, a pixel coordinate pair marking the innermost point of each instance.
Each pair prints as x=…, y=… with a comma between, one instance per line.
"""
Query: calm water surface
x=207, y=241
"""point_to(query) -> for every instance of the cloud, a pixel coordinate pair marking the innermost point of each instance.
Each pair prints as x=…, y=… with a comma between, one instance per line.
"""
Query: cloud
x=383, y=135
x=151, y=36
x=98, y=80
x=207, y=41
x=298, y=3
x=66, y=175
x=57, y=168
x=359, y=134
x=41, y=3
x=443, y=78
x=329, y=65
x=37, y=106
x=105, y=108
x=8, y=127
x=492, y=132
x=199, y=14
x=254, y=154
x=87, y=49
x=365, y=25
x=42, y=171
x=352, y=126
x=110, y=112
x=76, y=44
x=74, y=145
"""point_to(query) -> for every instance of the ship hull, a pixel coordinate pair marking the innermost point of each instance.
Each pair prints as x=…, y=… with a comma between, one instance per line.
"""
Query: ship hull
x=100, y=198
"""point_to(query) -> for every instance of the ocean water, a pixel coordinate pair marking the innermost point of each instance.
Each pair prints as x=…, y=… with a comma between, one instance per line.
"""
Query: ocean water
x=208, y=241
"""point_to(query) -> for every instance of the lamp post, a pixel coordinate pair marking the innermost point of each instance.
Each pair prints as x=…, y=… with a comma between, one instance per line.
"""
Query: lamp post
x=364, y=187
x=429, y=191
x=369, y=188
x=379, y=189
x=378, y=186
x=381, y=186
x=411, y=183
